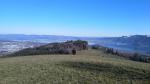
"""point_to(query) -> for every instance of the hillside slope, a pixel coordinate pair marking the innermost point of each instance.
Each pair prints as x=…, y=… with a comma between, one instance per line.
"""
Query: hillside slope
x=53, y=48
x=87, y=67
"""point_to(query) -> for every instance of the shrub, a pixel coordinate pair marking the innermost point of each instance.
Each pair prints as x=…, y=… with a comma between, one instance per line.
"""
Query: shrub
x=95, y=47
x=137, y=57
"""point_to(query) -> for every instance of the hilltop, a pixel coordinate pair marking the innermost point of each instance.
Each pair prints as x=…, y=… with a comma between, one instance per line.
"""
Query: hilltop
x=53, y=48
x=87, y=67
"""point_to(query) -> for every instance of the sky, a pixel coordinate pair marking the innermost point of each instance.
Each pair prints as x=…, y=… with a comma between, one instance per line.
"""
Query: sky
x=95, y=18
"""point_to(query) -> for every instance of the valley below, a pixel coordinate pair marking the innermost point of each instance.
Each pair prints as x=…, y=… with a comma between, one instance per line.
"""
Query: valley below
x=7, y=47
x=132, y=44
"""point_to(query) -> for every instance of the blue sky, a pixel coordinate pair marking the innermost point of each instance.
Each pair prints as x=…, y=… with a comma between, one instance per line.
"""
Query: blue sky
x=75, y=17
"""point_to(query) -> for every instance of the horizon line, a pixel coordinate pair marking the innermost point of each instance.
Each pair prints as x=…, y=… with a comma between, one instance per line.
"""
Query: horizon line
x=76, y=36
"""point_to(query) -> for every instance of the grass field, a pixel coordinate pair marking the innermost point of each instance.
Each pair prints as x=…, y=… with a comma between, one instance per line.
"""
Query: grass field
x=87, y=67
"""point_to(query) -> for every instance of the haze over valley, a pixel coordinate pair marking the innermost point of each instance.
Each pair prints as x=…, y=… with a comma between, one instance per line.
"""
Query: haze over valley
x=15, y=42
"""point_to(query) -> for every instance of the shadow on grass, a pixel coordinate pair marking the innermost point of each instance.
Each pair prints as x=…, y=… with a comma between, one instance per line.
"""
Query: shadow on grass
x=114, y=71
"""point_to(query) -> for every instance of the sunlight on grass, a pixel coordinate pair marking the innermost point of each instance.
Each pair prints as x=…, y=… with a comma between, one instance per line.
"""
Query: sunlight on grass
x=87, y=67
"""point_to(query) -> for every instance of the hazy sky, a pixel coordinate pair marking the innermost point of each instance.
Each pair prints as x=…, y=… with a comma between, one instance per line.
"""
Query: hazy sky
x=75, y=17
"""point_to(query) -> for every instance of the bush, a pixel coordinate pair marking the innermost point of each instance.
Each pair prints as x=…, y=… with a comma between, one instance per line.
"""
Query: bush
x=137, y=57
x=95, y=47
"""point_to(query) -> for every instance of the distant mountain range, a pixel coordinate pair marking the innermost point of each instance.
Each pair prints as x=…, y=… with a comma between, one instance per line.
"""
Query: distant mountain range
x=135, y=43
x=36, y=38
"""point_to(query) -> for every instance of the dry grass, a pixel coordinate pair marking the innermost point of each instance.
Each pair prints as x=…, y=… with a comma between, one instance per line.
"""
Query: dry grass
x=87, y=67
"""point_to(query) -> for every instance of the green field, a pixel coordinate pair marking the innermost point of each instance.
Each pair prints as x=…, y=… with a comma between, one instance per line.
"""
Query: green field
x=87, y=67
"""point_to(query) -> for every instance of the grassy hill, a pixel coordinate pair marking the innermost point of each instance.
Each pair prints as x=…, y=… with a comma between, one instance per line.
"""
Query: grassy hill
x=87, y=67
x=53, y=48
